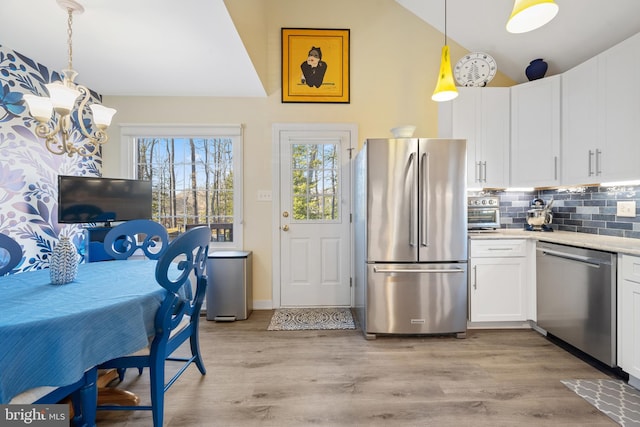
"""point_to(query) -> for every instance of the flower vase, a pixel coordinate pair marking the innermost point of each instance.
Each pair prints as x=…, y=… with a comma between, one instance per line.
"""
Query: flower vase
x=536, y=69
x=63, y=265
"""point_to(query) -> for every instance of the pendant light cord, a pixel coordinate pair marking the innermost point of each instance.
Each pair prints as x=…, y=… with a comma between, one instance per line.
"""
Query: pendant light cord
x=445, y=22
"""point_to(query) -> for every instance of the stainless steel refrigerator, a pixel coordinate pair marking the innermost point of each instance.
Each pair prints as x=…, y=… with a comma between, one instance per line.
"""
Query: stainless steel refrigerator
x=410, y=222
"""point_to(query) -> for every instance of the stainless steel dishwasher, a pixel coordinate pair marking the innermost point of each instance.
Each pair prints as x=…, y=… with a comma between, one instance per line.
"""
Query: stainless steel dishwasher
x=576, y=298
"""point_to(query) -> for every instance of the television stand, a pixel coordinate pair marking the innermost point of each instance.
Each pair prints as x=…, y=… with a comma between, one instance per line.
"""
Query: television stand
x=94, y=243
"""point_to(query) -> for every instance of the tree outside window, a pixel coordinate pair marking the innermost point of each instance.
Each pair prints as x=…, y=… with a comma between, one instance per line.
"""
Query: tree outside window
x=315, y=177
x=192, y=180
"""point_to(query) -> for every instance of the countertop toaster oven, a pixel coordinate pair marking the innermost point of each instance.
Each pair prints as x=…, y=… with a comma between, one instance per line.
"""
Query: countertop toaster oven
x=483, y=212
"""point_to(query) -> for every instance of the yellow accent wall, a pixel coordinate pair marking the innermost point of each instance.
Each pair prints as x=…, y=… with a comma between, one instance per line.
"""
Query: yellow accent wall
x=394, y=65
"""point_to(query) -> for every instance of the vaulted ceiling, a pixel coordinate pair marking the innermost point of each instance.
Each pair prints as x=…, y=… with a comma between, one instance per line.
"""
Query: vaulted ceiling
x=192, y=48
x=137, y=47
x=580, y=30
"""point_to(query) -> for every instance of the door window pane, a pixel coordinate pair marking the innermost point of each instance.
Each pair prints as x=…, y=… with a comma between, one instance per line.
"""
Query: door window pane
x=315, y=181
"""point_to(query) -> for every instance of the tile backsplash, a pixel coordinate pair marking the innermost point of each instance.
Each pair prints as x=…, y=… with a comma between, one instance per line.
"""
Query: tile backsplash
x=582, y=209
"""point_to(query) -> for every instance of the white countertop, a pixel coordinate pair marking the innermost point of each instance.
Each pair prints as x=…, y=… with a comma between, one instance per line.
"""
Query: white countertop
x=585, y=240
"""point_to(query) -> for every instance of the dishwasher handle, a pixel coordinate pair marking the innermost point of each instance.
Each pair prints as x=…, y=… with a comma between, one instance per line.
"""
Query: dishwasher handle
x=573, y=257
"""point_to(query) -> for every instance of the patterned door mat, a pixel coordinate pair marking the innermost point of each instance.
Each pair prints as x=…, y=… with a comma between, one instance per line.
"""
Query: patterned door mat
x=614, y=398
x=297, y=319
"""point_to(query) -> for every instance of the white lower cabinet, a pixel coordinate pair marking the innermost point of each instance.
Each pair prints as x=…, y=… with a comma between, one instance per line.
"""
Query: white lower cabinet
x=498, y=280
x=629, y=317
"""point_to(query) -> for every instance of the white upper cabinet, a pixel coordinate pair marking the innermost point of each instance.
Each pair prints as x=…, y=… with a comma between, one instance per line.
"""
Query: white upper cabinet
x=619, y=117
x=601, y=117
x=581, y=127
x=535, y=133
x=481, y=116
x=579, y=124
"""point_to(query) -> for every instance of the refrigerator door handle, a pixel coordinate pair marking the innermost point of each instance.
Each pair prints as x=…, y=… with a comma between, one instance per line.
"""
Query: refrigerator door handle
x=417, y=270
x=424, y=180
x=412, y=211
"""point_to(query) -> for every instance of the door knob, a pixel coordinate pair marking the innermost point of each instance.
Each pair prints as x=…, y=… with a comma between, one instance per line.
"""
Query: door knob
x=285, y=227
x=285, y=214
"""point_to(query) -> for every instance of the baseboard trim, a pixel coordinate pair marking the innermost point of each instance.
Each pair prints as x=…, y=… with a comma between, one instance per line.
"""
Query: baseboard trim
x=499, y=325
x=262, y=305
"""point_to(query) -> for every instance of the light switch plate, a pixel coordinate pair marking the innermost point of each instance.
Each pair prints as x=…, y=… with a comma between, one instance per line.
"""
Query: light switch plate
x=627, y=209
x=264, y=195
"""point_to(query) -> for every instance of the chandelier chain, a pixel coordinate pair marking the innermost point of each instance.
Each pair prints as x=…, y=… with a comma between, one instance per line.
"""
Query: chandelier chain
x=70, y=37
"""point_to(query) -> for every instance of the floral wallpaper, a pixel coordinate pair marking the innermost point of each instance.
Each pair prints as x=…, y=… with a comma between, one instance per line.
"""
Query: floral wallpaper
x=28, y=172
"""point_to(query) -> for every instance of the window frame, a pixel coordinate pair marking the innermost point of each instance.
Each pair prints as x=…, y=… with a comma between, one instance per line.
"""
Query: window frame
x=129, y=134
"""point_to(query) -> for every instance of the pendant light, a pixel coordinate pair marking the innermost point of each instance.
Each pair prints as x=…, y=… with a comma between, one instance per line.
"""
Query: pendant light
x=446, y=87
x=528, y=15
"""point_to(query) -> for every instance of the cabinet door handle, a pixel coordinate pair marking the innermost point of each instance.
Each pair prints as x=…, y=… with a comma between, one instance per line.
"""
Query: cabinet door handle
x=555, y=167
x=484, y=171
x=475, y=277
x=477, y=172
x=590, y=162
x=598, y=154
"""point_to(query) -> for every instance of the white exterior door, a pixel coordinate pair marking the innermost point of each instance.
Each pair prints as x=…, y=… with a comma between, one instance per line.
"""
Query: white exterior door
x=314, y=218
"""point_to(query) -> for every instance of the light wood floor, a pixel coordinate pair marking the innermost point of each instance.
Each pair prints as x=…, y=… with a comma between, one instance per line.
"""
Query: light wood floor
x=257, y=377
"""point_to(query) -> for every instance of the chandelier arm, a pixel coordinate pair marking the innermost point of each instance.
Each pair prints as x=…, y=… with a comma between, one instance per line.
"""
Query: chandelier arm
x=82, y=150
x=65, y=130
x=99, y=136
x=49, y=134
x=85, y=98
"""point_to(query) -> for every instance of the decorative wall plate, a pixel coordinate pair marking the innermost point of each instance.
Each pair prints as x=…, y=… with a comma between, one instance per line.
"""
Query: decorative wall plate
x=475, y=69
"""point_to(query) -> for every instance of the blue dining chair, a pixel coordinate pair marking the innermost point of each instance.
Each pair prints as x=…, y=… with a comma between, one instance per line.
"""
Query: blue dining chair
x=122, y=241
x=83, y=394
x=10, y=254
x=176, y=321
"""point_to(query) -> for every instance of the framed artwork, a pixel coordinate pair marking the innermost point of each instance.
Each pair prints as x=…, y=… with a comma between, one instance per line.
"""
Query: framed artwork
x=315, y=65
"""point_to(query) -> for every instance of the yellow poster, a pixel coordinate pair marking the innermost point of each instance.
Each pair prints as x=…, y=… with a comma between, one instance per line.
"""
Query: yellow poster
x=315, y=65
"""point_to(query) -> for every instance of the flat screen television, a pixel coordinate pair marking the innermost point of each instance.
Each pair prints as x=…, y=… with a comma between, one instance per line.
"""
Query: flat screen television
x=90, y=199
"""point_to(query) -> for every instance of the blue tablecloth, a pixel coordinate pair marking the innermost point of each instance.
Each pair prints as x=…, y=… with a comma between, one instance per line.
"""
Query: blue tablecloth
x=50, y=334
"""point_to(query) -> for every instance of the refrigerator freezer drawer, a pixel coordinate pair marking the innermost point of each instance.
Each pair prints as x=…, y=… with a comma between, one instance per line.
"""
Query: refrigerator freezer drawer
x=416, y=298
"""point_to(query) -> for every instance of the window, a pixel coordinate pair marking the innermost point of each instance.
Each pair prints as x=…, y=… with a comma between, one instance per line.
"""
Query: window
x=196, y=175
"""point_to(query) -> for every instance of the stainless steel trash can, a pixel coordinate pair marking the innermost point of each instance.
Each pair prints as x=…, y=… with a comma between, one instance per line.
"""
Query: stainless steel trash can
x=229, y=286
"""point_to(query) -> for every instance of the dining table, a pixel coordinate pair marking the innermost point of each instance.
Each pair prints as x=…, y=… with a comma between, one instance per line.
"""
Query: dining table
x=50, y=335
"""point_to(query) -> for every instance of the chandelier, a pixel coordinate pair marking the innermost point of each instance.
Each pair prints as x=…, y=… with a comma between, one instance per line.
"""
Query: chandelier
x=53, y=113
